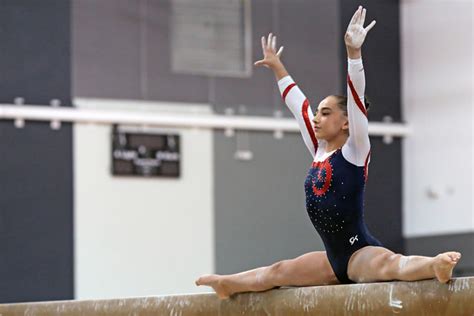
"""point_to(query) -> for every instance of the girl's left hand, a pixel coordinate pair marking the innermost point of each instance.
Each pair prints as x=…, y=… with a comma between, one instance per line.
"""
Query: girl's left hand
x=271, y=56
x=356, y=33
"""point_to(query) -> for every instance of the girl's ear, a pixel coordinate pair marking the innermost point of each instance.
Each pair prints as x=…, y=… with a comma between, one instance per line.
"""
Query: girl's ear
x=345, y=126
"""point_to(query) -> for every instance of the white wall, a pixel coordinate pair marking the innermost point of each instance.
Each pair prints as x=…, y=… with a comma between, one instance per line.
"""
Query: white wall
x=141, y=236
x=437, y=82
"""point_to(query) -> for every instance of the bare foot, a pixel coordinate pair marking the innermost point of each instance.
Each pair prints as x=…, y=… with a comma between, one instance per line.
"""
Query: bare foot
x=444, y=264
x=214, y=281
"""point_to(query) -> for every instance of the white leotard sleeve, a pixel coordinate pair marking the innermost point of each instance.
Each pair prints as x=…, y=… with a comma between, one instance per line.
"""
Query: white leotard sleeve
x=299, y=106
x=357, y=147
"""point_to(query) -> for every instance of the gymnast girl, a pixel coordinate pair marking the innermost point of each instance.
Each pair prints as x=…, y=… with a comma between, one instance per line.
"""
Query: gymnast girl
x=338, y=140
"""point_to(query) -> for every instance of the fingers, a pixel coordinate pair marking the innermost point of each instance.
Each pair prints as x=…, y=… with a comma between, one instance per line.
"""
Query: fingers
x=362, y=18
x=359, y=18
x=279, y=51
x=359, y=14
x=354, y=17
x=269, y=50
x=370, y=26
x=261, y=63
x=269, y=43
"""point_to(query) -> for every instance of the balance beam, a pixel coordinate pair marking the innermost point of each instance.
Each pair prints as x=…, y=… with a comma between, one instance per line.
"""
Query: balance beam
x=405, y=298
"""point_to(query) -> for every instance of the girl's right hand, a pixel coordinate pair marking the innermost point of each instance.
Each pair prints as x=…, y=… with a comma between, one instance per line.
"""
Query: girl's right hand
x=356, y=33
x=271, y=57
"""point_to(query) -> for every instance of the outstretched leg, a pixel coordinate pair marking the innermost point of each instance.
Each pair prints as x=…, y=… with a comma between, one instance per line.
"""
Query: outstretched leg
x=309, y=269
x=371, y=264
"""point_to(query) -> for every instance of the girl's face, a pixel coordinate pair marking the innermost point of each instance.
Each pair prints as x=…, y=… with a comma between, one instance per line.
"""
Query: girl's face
x=329, y=120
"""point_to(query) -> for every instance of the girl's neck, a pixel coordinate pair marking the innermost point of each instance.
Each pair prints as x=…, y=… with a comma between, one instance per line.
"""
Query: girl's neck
x=336, y=142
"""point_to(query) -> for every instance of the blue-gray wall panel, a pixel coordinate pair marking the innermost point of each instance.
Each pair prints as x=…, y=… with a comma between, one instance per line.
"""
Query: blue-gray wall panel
x=310, y=55
x=36, y=229
x=161, y=83
x=105, y=40
x=122, y=51
x=383, y=196
x=256, y=92
x=260, y=204
x=310, y=33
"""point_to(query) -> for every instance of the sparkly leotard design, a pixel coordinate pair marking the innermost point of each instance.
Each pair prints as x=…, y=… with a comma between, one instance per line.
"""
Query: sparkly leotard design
x=334, y=201
x=336, y=180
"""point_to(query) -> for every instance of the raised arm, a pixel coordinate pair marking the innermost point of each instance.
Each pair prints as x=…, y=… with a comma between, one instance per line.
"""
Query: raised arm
x=291, y=94
x=357, y=147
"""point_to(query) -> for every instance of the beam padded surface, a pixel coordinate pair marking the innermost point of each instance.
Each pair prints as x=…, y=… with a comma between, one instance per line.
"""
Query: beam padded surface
x=404, y=298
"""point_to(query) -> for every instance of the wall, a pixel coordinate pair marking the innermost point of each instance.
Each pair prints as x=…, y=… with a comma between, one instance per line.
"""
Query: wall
x=36, y=261
x=141, y=236
x=259, y=204
x=438, y=97
x=120, y=50
x=437, y=102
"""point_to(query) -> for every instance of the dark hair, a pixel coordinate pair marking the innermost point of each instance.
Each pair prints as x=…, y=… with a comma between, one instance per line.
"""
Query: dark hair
x=342, y=102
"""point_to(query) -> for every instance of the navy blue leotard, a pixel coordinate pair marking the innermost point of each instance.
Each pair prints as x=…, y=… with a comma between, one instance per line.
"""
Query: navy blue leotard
x=336, y=180
x=334, y=201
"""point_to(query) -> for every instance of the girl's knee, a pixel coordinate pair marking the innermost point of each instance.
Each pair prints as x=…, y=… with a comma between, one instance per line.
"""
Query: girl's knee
x=264, y=278
x=284, y=273
x=277, y=267
x=393, y=264
x=275, y=272
x=280, y=268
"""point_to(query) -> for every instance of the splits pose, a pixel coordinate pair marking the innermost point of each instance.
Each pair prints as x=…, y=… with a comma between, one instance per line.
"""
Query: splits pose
x=337, y=138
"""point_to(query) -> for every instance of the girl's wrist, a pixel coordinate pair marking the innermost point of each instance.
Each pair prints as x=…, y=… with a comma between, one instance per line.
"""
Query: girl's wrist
x=276, y=65
x=353, y=53
x=279, y=70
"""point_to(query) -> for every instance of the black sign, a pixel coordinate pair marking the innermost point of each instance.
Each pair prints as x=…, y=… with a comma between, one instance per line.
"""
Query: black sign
x=145, y=154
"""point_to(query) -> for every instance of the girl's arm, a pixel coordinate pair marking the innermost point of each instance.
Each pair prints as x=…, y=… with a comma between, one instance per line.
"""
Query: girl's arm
x=357, y=147
x=291, y=94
